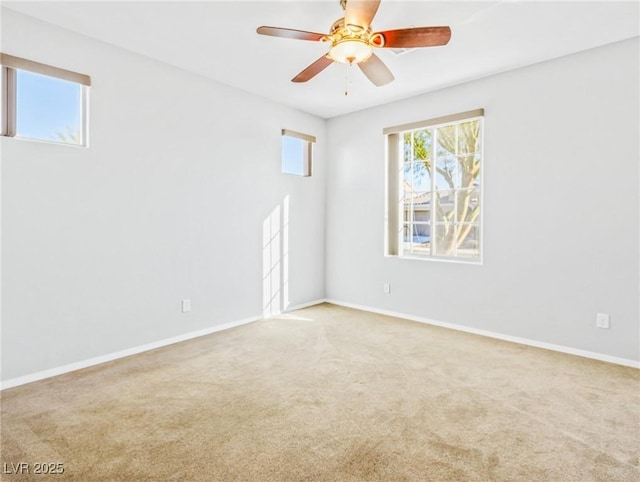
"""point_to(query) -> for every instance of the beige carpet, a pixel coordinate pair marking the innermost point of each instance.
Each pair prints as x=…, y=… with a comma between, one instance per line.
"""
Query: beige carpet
x=332, y=394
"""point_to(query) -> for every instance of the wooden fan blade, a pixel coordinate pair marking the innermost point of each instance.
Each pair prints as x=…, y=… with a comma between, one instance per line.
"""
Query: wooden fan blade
x=313, y=70
x=360, y=12
x=289, y=33
x=416, y=37
x=376, y=71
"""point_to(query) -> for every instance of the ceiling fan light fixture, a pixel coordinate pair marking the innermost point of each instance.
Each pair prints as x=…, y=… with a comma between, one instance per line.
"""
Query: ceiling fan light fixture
x=350, y=51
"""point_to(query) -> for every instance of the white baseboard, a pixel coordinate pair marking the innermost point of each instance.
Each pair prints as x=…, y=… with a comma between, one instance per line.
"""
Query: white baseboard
x=291, y=308
x=491, y=334
x=304, y=305
x=33, y=377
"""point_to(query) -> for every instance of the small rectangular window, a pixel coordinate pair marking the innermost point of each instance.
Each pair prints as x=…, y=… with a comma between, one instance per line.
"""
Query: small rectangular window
x=43, y=103
x=297, y=153
x=434, y=186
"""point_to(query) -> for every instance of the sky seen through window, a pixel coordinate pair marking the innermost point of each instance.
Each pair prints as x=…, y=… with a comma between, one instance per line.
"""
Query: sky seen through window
x=48, y=108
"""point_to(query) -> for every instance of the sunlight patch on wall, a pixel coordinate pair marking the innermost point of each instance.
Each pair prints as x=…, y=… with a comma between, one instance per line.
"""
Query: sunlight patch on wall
x=275, y=260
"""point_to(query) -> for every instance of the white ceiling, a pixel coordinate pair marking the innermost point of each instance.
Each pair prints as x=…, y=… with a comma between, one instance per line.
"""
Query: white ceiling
x=218, y=40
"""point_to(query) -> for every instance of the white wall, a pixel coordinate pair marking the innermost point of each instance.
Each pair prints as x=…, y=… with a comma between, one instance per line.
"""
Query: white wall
x=561, y=215
x=101, y=244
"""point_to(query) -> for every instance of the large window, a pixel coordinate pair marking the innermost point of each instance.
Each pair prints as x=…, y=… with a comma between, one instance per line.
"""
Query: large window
x=434, y=188
x=43, y=103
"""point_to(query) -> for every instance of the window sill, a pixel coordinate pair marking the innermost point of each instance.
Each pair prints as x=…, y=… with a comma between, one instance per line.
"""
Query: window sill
x=43, y=141
x=415, y=257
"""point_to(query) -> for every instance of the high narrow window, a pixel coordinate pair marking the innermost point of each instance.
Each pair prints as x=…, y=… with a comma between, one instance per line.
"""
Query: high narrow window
x=43, y=103
x=434, y=188
x=297, y=153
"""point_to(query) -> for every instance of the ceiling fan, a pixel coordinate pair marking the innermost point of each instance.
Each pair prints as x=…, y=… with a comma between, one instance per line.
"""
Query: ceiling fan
x=352, y=41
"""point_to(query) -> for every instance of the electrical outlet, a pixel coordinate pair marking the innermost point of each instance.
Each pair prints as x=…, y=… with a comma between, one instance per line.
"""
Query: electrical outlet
x=186, y=305
x=387, y=288
x=602, y=320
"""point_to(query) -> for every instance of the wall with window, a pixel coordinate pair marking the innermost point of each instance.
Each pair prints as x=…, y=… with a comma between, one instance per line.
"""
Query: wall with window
x=560, y=207
x=179, y=196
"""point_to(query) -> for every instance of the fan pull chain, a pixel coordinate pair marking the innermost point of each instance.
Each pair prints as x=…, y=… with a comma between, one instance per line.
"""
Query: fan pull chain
x=347, y=78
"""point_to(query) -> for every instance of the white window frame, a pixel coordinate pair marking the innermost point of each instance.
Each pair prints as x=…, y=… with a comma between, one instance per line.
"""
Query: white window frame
x=307, y=161
x=394, y=201
x=9, y=65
